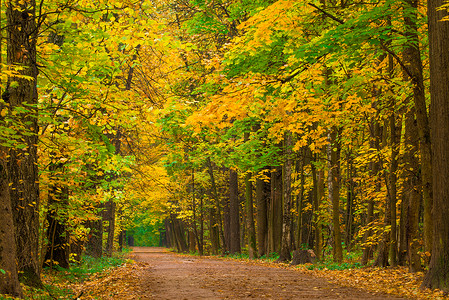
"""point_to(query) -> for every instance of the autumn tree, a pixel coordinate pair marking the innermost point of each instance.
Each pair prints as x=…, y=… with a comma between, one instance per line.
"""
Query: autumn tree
x=22, y=98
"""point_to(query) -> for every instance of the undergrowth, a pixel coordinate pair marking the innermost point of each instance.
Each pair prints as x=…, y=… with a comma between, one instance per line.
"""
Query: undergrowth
x=57, y=281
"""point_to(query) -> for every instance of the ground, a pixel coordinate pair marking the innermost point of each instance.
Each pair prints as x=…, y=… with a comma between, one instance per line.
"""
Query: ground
x=172, y=276
x=159, y=274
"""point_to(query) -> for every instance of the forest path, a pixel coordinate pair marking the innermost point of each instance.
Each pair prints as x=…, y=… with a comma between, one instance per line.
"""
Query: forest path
x=171, y=276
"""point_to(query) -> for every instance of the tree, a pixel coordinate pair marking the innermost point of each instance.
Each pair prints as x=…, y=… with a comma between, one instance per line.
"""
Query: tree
x=438, y=274
x=21, y=95
x=9, y=280
x=286, y=239
x=234, y=212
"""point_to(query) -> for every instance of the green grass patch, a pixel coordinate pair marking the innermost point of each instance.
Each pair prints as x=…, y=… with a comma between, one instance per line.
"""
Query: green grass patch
x=90, y=265
x=334, y=266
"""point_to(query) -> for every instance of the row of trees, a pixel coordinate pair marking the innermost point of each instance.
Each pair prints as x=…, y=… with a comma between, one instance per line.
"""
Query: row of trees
x=306, y=125
x=78, y=85
x=263, y=126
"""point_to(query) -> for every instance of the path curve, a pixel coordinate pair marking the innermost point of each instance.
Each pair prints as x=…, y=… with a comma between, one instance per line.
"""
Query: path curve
x=170, y=276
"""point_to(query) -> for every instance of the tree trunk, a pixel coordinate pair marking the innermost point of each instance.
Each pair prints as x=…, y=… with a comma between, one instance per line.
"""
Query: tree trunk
x=9, y=281
x=178, y=236
x=412, y=59
x=285, y=254
x=22, y=164
x=219, y=221
x=275, y=211
x=226, y=225
x=192, y=240
x=438, y=274
x=250, y=226
x=416, y=131
x=234, y=208
x=262, y=194
x=111, y=228
x=334, y=149
x=412, y=197
x=300, y=198
x=58, y=242
x=121, y=239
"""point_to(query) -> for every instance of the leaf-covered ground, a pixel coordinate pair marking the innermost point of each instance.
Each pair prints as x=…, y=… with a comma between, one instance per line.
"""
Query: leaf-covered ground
x=158, y=274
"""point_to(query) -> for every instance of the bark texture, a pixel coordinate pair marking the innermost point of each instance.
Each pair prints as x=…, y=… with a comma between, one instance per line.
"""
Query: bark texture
x=22, y=164
x=9, y=282
x=438, y=274
x=262, y=194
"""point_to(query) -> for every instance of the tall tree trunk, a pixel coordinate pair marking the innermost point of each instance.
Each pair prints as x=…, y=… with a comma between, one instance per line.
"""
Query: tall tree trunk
x=275, y=211
x=416, y=131
x=226, y=225
x=414, y=72
x=262, y=195
x=234, y=207
x=300, y=198
x=9, y=280
x=334, y=149
x=438, y=274
x=22, y=165
x=250, y=226
x=412, y=197
x=285, y=254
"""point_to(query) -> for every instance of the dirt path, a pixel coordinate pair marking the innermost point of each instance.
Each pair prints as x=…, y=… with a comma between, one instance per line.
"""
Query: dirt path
x=169, y=276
